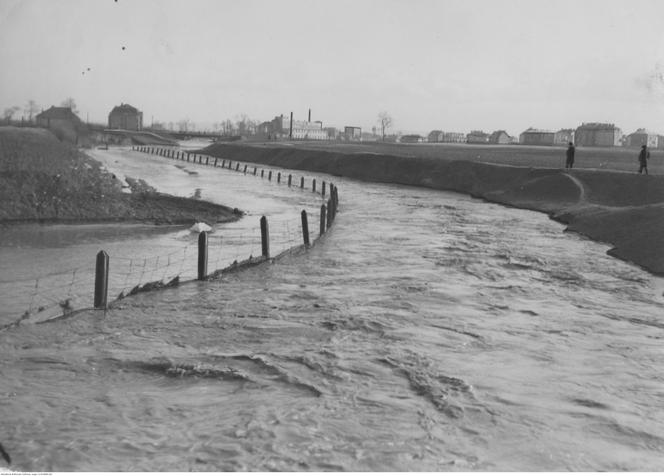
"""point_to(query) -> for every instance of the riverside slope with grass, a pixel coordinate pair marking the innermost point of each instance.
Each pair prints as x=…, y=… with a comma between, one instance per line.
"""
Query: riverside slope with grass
x=607, y=204
x=44, y=180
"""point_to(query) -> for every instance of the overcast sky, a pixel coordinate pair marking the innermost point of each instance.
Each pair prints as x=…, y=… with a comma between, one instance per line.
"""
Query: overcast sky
x=432, y=64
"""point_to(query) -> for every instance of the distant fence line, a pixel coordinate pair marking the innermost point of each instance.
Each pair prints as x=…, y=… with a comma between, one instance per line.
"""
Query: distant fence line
x=59, y=292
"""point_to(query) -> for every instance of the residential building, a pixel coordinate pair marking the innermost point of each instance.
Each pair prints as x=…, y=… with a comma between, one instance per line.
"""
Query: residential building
x=500, y=137
x=435, y=136
x=597, y=134
x=477, y=137
x=458, y=137
x=63, y=122
x=353, y=133
x=125, y=117
x=532, y=136
x=441, y=136
x=642, y=137
x=564, y=137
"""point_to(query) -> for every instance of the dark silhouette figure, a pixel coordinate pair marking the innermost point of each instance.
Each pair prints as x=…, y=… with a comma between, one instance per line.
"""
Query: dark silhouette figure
x=569, y=163
x=5, y=455
x=644, y=155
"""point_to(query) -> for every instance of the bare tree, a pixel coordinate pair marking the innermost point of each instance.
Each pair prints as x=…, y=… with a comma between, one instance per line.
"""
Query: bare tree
x=31, y=108
x=385, y=122
x=9, y=112
x=183, y=125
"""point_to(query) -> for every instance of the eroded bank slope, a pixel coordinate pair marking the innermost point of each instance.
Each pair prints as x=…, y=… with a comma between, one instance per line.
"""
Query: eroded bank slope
x=45, y=180
x=622, y=209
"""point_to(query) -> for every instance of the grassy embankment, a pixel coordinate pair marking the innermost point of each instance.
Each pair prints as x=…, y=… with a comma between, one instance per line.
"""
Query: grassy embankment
x=45, y=180
x=625, y=210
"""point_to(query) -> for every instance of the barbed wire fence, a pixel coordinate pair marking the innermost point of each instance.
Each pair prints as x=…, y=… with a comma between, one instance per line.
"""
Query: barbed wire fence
x=112, y=278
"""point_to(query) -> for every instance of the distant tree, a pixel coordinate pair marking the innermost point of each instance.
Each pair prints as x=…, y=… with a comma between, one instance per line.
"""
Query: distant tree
x=183, y=125
x=71, y=104
x=9, y=112
x=31, y=108
x=159, y=126
x=385, y=122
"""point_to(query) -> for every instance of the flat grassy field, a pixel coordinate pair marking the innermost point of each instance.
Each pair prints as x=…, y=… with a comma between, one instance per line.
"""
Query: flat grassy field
x=606, y=158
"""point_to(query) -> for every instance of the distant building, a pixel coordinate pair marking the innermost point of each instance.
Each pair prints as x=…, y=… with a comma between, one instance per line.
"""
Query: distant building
x=500, y=137
x=532, y=136
x=458, y=137
x=353, y=133
x=564, y=136
x=63, y=122
x=125, y=117
x=280, y=128
x=411, y=139
x=642, y=137
x=597, y=134
x=441, y=136
x=477, y=137
x=435, y=136
x=332, y=133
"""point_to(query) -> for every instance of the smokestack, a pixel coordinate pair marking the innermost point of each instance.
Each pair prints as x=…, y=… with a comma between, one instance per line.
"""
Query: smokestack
x=290, y=134
x=309, y=115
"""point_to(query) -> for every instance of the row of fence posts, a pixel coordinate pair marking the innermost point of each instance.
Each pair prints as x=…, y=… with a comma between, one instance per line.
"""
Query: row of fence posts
x=328, y=213
x=186, y=156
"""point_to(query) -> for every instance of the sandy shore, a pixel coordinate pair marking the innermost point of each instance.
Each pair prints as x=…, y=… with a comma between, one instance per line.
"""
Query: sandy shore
x=624, y=210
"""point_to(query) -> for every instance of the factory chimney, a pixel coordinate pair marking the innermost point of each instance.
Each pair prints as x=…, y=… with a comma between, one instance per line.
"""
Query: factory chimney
x=309, y=115
x=290, y=133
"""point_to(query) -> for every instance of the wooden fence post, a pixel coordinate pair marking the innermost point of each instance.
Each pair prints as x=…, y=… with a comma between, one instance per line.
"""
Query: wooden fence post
x=101, y=280
x=313, y=186
x=322, y=219
x=305, y=228
x=245, y=169
x=254, y=170
x=202, y=255
x=187, y=156
x=207, y=160
x=262, y=172
x=237, y=166
x=215, y=161
x=290, y=179
x=265, y=238
x=329, y=213
x=269, y=175
x=301, y=182
x=279, y=177
x=322, y=188
x=223, y=163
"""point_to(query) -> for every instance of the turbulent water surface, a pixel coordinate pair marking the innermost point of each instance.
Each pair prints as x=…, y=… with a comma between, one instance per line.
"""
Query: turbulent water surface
x=426, y=331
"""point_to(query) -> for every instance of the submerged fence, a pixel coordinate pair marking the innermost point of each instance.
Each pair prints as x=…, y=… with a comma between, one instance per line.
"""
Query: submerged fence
x=111, y=276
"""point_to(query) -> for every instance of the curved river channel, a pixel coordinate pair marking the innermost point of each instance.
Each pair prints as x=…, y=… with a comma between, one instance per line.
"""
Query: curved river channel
x=426, y=331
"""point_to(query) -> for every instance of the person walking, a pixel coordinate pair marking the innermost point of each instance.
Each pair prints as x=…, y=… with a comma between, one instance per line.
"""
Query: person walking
x=569, y=162
x=644, y=155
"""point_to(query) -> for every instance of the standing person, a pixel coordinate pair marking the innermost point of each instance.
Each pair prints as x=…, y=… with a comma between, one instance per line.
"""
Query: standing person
x=569, y=163
x=644, y=155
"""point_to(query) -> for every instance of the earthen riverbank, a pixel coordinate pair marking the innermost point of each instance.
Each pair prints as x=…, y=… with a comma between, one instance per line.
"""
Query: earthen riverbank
x=44, y=180
x=625, y=210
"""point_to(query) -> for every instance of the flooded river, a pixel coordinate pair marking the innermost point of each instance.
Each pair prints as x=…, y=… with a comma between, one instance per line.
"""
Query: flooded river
x=427, y=331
